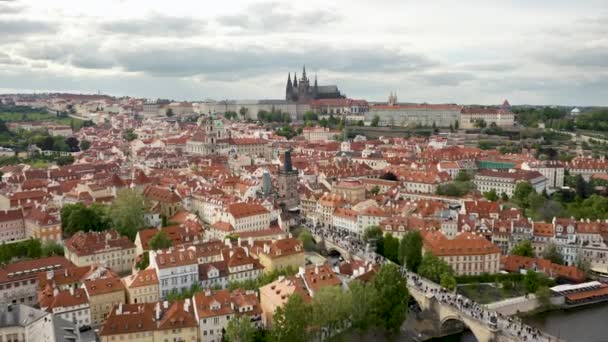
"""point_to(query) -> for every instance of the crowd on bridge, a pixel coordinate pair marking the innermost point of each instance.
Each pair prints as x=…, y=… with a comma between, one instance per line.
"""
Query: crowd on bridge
x=496, y=321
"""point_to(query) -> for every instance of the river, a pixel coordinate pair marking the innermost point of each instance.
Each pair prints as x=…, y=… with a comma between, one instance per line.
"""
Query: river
x=585, y=324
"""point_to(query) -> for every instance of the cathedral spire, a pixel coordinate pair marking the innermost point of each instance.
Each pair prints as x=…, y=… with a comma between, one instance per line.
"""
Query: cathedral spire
x=295, y=80
x=304, y=72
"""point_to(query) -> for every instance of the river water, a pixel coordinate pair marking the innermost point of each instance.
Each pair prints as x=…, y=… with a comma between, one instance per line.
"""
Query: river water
x=585, y=324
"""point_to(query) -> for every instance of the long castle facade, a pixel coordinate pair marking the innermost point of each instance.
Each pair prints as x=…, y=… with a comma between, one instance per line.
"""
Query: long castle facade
x=302, y=91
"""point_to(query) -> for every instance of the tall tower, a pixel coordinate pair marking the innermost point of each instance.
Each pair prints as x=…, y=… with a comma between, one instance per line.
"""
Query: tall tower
x=315, y=89
x=289, y=88
x=288, y=185
x=304, y=87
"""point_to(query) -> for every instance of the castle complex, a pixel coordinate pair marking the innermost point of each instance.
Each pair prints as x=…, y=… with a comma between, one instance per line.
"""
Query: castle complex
x=302, y=91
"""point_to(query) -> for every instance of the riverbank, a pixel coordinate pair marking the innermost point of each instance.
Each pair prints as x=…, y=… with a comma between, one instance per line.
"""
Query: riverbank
x=584, y=324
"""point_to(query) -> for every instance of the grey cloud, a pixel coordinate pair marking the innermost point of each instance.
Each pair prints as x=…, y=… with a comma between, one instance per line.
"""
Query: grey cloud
x=6, y=59
x=582, y=57
x=446, y=78
x=13, y=29
x=206, y=60
x=156, y=25
x=271, y=16
x=7, y=8
x=184, y=61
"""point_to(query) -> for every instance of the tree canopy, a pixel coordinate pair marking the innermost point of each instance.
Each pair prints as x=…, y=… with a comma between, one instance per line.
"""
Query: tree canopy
x=240, y=329
x=77, y=217
x=524, y=248
x=127, y=212
x=290, y=321
x=160, y=240
x=433, y=268
x=410, y=250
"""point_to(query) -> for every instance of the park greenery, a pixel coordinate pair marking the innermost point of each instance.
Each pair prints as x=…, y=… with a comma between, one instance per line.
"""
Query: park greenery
x=263, y=279
x=595, y=120
x=28, y=249
x=126, y=215
x=160, y=240
x=127, y=212
x=274, y=116
x=381, y=303
x=78, y=217
x=408, y=252
x=12, y=113
x=461, y=186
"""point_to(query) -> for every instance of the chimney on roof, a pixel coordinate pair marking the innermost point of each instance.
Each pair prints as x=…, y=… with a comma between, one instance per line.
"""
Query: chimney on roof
x=187, y=304
x=316, y=269
x=119, y=310
x=157, y=311
x=50, y=274
x=165, y=304
x=238, y=241
x=55, y=292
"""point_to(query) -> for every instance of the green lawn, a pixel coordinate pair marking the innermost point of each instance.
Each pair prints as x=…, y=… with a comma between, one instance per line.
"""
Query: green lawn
x=486, y=293
x=40, y=116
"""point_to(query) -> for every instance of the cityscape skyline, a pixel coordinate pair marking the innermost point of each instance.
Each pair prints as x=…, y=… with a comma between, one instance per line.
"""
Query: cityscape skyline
x=531, y=53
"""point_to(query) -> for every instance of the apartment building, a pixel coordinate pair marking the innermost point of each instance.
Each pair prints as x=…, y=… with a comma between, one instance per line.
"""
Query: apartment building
x=142, y=287
x=176, y=269
x=506, y=181
x=19, y=280
x=214, y=309
x=467, y=253
x=107, y=248
x=281, y=254
x=103, y=294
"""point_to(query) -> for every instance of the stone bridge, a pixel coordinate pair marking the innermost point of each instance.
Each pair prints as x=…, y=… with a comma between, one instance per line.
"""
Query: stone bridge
x=331, y=246
x=483, y=330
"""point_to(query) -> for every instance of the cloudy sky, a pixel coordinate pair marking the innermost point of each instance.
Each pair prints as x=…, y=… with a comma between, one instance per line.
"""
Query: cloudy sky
x=469, y=51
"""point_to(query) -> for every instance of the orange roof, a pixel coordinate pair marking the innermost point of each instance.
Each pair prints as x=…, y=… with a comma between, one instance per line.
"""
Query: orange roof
x=103, y=286
x=465, y=243
x=240, y=210
x=143, y=278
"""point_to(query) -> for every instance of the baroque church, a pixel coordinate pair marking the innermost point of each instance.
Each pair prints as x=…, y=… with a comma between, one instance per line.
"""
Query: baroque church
x=302, y=91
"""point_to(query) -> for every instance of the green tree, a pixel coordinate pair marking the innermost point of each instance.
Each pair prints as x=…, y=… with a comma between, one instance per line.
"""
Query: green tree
x=462, y=176
x=143, y=262
x=76, y=217
x=375, y=121
x=160, y=240
x=331, y=307
x=243, y=111
x=360, y=123
x=524, y=248
x=504, y=196
x=448, y=281
x=33, y=248
x=480, y=123
x=364, y=298
x=240, y=329
x=531, y=281
x=521, y=193
x=127, y=212
x=169, y=112
x=552, y=253
x=410, y=250
x=290, y=321
x=456, y=125
x=391, y=248
x=85, y=145
x=491, y=195
x=309, y=243
x=433, y=267
x=543, y=294
x=51, y=248
x=391, y=299
x=374, y=234
x=375, y=190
